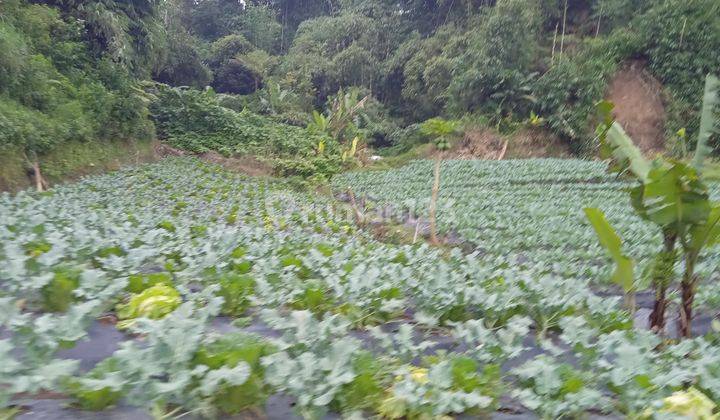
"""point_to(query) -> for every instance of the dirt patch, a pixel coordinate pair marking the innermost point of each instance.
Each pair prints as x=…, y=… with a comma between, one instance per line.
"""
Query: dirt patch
x=536, y=143
x=163, y=150
x=639, y=107
x=479, y=143
x=486, y=143
x=247, y=165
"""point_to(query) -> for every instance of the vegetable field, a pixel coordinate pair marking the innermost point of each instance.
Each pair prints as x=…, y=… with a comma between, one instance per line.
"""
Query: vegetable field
x=179, y=289
x=527, y=213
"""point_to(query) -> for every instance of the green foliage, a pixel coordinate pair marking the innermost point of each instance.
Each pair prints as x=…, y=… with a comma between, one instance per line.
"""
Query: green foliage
x=441, y=130
x=227, y=48
x=260, y=26
x=366, y=389
x=678, y=37
x=138, y=283
x=195, y=121
x=182, y=64
x=331, y=52
x=708, y=120
x=236, y=291
x=318, y=167
x=58, y=294
x=227, y=352
x=609, y=239
x=51, y=92
x=494, y=71
x=100, y=388
x=673, y=196
x=190, y=363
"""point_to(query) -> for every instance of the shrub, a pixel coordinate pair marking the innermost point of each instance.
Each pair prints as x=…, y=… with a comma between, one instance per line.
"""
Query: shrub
x=195, y=121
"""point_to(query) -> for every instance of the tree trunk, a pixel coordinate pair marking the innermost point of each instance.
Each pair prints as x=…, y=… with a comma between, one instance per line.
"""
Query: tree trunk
x=663, y=276
x=433, y=200
x=657, y=317
x=687, y=292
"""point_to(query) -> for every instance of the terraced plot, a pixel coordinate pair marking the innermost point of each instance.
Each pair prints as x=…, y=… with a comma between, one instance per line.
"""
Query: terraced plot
x=527, y=212
x=181, y=289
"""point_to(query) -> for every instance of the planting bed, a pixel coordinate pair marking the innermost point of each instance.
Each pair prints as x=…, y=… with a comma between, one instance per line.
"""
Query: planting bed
x=179, y=288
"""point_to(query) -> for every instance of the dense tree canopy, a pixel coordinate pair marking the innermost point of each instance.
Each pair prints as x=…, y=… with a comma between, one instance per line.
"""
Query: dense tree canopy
x=492, y=61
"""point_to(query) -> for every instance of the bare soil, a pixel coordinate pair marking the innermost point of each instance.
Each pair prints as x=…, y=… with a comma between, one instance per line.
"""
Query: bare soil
x=639, y=106
x=486, y=143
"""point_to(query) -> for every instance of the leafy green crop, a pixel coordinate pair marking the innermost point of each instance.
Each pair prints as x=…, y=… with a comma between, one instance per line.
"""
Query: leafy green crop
x=100, y=388
x=227, y=352
x=236, y=289
x=397, y=330
x=138, y=283
x=58, y=294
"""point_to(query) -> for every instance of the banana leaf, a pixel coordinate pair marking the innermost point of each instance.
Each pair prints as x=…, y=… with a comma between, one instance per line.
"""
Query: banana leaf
x=708, y=120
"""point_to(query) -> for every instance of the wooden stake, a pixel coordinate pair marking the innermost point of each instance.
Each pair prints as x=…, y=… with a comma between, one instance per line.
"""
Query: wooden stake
x=38, y=177
x=504, y=149
x=433, y=200
x=597, y=28
x=359, y=218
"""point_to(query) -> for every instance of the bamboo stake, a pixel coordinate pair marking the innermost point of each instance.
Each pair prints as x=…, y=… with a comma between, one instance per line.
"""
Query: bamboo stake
x=597, y=28
x=562, y=38
x=682, y=32
x=552, y=54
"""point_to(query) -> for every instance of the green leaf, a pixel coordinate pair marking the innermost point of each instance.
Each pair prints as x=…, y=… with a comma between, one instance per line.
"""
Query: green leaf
x=609, y=239
x=676, y=196
x=708, y=120
x=618, y=146
x=708, y=233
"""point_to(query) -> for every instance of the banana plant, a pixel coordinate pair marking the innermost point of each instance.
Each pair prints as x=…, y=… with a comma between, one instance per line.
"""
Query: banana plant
x=672, y=195
x=611, y=241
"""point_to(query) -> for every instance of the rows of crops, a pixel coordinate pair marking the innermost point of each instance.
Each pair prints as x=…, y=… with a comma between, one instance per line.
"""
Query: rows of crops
x=227, y=291
x=529, y=212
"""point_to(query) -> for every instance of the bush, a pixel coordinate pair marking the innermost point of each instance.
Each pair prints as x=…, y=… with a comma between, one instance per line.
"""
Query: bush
x=195, y=121
x=681, y=40
x=319, y=167
x=227, y=48
x=234, y=76
x=51, y=92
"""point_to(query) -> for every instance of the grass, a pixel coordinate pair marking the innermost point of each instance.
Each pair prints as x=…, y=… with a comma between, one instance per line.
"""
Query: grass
x=73, y=160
